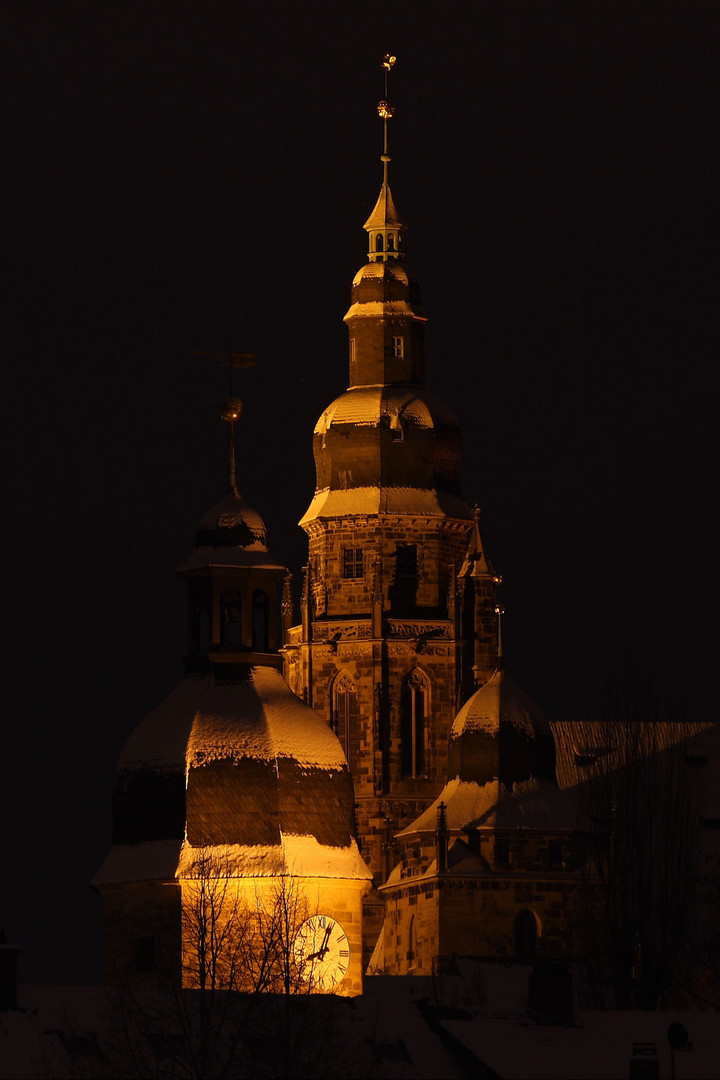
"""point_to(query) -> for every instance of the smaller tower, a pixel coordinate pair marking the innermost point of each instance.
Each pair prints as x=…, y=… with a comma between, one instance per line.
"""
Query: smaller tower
x=478, y=587
x=235, y=586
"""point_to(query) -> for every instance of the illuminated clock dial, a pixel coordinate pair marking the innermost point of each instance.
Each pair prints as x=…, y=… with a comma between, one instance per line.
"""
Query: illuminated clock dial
x=322, y=952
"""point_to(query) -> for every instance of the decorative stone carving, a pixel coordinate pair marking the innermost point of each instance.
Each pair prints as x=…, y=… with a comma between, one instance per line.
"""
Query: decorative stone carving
x=342, y=631
x=419, y=629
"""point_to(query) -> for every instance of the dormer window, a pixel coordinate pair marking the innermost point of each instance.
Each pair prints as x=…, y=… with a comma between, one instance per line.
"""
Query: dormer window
x=398, y=347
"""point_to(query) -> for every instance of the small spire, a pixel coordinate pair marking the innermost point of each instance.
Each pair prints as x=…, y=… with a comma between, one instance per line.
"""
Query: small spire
x=384, y=225
x=475, y=563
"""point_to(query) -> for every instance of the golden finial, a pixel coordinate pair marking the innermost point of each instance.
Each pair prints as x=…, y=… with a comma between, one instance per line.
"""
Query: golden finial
x=385, y=109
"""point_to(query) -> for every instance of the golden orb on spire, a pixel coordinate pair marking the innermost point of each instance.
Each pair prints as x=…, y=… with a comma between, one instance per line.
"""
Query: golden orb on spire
x=385, y=110
x=231, y=410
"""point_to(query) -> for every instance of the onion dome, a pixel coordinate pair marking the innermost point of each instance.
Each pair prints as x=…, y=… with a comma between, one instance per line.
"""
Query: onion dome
x=239, y=764
x=501, y=734
x=231, y=533
x=387, y=449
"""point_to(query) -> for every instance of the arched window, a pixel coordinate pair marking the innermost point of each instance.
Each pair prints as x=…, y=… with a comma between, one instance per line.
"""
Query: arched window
x=260, y=627
x=413, y=732
x=526, y=931
x=345, y=715
x=378, y=242
x=391, y=242
x=231, y=617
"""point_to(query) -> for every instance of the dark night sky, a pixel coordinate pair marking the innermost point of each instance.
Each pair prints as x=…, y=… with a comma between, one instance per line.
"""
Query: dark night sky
x=191, y=175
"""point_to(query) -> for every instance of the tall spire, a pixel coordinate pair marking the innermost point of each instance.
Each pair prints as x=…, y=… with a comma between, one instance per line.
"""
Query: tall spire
x=384, y=226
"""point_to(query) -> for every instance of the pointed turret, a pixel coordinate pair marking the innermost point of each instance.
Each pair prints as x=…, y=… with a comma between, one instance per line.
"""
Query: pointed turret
x=481, y=614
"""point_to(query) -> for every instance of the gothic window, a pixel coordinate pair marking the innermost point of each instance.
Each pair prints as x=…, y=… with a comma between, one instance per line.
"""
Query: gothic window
x=379, y=242
x=345, y=716
x=406, y=560
x=231, y=617
x=353, y=563
x=413, y=734
x=260, y=621
x=398, y=347
x=526, y=931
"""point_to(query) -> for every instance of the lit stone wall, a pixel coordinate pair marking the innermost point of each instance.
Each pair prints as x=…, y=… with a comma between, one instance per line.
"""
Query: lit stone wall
x=441, y=542
x=298, y=899
x=460, y=915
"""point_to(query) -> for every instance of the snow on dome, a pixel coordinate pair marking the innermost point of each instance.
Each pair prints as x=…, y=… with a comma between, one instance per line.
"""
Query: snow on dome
x=373, y=405
x=530, y=804
x=261, y=718
x=299, y=856
x=499, y=701
x=501, y=734
x=380, y=270
x=417, y=502
x=233, y=520
x=378, y=308
x=155, y=860
x=231, y=533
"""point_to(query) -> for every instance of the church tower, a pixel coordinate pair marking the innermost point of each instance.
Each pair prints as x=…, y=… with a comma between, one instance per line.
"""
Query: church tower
x=384, y=652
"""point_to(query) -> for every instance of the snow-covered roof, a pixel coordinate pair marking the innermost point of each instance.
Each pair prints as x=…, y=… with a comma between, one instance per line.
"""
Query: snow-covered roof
x=418, y=502
x=231, y=533
x=299, y=856
x=532, y=804
x=373, y=309
x=155, y=860
x=383, y=270
x=260, y=717
x=371, y=405
x=500, y=700
x=203, y=719
x=384, y=214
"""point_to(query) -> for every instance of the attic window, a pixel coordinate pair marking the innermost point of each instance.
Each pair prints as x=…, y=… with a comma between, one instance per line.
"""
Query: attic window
x=398, y=347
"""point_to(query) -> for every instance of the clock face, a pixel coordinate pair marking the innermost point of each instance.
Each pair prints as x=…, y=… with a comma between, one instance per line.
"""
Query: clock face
x=322, y=952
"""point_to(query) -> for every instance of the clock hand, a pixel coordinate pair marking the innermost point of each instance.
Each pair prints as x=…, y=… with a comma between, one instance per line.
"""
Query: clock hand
x=324, y=947
x=319, y=955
